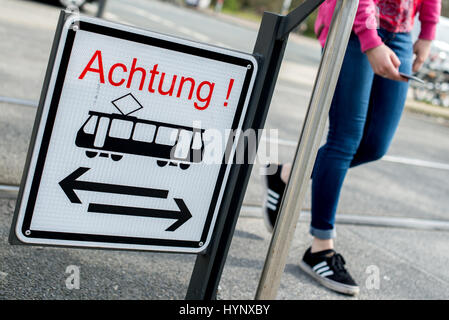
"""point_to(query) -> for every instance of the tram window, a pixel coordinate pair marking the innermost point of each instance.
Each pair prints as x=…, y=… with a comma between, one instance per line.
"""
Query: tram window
x=197, y=143
x=167, y=136
x=102, y=130
x=183, y=145
x=121, y=129
x=90, y=125
x=144, y=132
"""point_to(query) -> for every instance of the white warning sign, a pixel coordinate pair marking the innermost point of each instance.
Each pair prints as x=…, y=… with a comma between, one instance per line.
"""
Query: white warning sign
x=119, y=156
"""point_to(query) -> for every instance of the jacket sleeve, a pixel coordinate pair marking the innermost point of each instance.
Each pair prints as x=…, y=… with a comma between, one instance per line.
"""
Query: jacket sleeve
x=429, y=14
x=366, y=23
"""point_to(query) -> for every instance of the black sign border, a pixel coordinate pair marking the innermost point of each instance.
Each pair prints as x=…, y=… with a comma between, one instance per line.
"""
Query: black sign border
x=57, y=91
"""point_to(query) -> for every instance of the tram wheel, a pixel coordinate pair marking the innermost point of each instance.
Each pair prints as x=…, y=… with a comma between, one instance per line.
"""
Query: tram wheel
x=116, y=157
x=161, y=163
x=184, y=166
x=91, y=154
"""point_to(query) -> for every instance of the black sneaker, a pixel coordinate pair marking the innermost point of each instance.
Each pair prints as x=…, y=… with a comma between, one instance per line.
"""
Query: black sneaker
x=328, y=268
x=273, y=197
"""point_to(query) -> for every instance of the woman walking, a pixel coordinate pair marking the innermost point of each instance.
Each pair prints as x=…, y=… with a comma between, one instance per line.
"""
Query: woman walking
x=364, y=114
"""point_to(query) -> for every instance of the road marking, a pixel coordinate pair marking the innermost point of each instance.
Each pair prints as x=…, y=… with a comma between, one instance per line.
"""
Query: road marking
x=255, y=212
x=23, y=102
x=282, y=142
x=145, y=14
x=221, y=44
x=153, y=17
x=184, y=30
x=196, y=35
x=8, y=191
x=114, y=18
x=416, y=162
x=110, y=16
x=386, y=158
x=170, y=24
x=200, y=36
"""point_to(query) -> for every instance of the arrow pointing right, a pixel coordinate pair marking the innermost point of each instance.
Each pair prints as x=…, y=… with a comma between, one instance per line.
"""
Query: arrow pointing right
x=181, y=216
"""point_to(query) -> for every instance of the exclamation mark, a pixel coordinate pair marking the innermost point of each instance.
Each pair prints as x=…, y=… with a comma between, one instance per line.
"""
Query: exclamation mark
x=231, y=83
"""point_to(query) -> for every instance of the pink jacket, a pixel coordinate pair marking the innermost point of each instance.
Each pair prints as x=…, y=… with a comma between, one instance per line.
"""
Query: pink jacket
x=393, y=15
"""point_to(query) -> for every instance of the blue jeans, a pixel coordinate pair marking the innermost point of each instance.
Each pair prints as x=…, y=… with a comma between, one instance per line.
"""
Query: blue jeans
x=364, y=114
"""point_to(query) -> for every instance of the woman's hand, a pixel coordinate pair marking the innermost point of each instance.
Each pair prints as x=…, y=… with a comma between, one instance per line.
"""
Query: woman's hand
x=384, y=62
x=421, y=49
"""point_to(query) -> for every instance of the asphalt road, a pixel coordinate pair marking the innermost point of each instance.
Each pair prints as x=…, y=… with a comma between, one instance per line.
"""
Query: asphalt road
x=410, y=183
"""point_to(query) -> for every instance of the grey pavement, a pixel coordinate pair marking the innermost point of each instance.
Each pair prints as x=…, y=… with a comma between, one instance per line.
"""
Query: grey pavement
x=412, y=182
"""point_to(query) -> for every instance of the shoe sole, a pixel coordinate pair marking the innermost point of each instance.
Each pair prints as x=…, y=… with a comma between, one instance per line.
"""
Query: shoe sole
x=328, y=283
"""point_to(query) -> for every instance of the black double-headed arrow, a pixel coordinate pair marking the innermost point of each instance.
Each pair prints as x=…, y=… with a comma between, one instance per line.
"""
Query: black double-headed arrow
x=71, y=183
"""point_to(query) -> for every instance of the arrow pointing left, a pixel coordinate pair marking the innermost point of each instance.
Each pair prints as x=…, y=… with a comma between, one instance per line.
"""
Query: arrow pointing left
x=71, y=183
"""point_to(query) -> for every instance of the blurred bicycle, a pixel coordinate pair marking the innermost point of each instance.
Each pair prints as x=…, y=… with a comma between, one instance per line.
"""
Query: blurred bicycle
x=435, y=74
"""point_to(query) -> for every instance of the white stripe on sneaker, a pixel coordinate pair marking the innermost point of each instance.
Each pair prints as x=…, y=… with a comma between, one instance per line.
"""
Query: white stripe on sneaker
x=270, y=206
x=323, y=269
x=273, y=194
x=272, y=200
x=319, y=265
x=328, y=273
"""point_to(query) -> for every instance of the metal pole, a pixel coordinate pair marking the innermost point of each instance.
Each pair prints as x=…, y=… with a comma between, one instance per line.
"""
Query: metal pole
x=307, y=149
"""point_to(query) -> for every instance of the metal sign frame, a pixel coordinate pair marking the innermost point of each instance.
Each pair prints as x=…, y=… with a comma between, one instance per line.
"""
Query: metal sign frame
x=21, y=232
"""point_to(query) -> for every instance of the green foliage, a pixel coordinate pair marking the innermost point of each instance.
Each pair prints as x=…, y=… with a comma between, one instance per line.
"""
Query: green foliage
x=232, y=5
x=275, y=5
x=445, y=8
x=259, y=6
x=310, y=24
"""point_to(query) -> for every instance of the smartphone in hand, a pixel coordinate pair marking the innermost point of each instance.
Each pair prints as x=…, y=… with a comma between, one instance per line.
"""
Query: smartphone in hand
x=410, y=77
